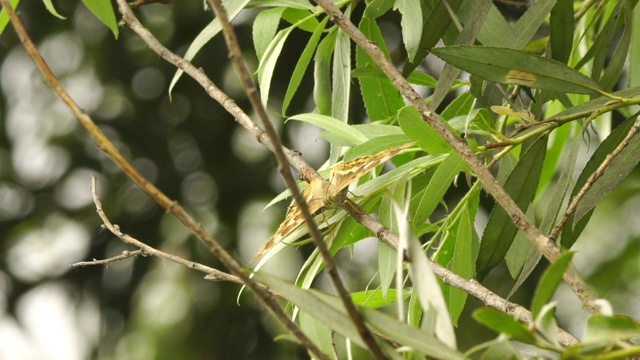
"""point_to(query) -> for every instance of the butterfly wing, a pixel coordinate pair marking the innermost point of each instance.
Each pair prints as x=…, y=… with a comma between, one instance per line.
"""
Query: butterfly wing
x=345, y=173
x=314, y=196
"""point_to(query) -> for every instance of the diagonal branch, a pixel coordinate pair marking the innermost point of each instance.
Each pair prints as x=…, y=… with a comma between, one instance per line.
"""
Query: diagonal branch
x=171, y=206
x=254, y=97
x=547, y=248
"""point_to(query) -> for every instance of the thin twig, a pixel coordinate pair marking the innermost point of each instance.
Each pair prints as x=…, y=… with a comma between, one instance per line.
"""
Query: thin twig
x=235, y=54
x=571, y=209
x=104, y=262
x=547, y=248
x=171, y=206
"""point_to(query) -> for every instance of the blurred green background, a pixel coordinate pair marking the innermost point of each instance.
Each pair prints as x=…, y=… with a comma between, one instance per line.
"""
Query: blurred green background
x=147, y=308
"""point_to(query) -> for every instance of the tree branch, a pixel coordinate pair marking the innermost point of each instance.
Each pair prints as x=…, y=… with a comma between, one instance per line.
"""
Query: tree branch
x=547, y=248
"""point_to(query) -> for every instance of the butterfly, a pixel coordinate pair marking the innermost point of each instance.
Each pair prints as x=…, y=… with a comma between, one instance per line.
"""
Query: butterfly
x=320, y=190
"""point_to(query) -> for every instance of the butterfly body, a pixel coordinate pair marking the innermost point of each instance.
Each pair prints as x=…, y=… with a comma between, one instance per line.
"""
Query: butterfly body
x=321, y=190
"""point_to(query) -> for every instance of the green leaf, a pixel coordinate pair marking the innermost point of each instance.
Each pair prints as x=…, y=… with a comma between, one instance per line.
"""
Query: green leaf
x=619, y=168
x=460, y=106
x=294, y=4
x=302, y=65
x=521, y=186
x=504, y=324
x=617, y=62
x=265, y=27
x=103, y=10
x=317, y=332
x=561, y=25
x=341, y=85
x=467, y=37
x=609, y=328
x=382, y=100
x=546, y=323
x=411, y=20
x=4, y=17
x=574, y=228
x=375, y=299
x=49, y=5
x=438, y=186
x=329, y=310
x=459, y=250
x=334, y=126
x=549, y=282
x=428, y=139
x=519, y=252
x=233, y=8
x=529, y=23
x=322, y=72
x=416, y=77
x=508, y=66
x=376, y=8
x=301, y=19
x=387, y=265
x=268, y=62
x=425, y=282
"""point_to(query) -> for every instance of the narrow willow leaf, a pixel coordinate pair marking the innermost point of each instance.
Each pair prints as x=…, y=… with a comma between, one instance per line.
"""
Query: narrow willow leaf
x=302, y=19
x=333, y=125
x=387, y=264
x=302, y=65
x=436, y=21
x=373, y=299
x=617, y=62
x=519, y=251
x=495, y=31
x=549, y=282
x=459, y=250
x=233, y=8
x=604, y=38
x=611, y=328
x=294, y=4
x=268, y=63
x=377, y=8
x=265, y=27
x=546, y=323
x=317, y=332
x=458, y=107
x=561, y=26
x=595, y=104
x=49, y=5
x=508, y=66
x=467, y=37
x=428, y=139
x=416, y=77
x=322, y=72
x=103, y=10
x=504, y=324
x=411, y=20
x=573, y=228
x=529, y=23
x=329, y=310
x=634, y=54
x=425, y=282
x=4, y=17
x=521, y=186
x=341, y=79
x=438, y=186
x=381, y=99
x=620, y=167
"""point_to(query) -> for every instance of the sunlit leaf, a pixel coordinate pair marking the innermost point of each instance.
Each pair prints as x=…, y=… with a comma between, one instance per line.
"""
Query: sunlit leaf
x=4, y=17
x=49, y=5
x=411, y=20
x=504, y=324
x=265, y=27
x=333, y=125
x=428, y=139
x=103, y=10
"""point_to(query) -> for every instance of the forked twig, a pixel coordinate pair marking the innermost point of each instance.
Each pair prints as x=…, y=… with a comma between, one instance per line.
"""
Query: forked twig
x=171, y=206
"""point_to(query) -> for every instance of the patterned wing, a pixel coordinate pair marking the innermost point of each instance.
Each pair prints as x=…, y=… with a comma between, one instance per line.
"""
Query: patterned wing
x=314, y=195
x=344, y=174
